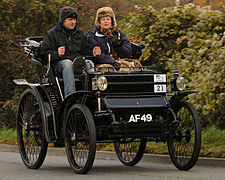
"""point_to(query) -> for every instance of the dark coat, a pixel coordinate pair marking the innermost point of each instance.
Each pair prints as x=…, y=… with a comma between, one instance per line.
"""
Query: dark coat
x=75, y=43
x=96, y=38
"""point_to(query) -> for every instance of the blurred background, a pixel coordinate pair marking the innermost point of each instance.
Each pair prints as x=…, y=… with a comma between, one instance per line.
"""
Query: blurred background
x=185, y=35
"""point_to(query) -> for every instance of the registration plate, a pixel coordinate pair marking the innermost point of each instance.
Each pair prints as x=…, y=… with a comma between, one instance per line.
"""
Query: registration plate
x=140, y=118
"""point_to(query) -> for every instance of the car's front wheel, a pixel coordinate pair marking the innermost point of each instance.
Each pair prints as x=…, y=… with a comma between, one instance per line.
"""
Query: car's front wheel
x=184, y=141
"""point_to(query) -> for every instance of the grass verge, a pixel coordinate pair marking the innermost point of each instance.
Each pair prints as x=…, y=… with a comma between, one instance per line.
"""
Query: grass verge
x=8, y=136
x=213, y=143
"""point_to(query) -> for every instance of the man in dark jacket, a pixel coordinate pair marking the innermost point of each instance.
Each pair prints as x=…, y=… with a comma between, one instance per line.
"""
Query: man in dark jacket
x=64, y=42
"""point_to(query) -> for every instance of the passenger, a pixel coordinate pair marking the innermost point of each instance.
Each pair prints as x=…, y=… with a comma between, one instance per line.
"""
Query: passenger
x=111, y=42
x=65, y=42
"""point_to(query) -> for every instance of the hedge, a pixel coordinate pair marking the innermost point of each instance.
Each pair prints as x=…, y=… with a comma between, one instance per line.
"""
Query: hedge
x=190, y=39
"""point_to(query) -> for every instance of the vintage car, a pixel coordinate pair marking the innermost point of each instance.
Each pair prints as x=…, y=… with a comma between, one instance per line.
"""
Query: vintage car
x=126, y=108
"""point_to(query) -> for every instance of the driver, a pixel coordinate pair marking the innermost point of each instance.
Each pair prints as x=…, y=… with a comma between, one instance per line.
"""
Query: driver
x=65, y=42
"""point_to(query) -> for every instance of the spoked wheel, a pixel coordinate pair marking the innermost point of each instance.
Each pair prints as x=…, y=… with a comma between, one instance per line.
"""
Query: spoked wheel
x=130, y=150
x=184, y=142
x=30, y=130
x=80, y=138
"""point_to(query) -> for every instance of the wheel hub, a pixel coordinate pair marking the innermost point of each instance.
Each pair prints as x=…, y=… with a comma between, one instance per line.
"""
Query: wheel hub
x=73, y=137
x=179, y=136
x=26, y=129
x=188, y=135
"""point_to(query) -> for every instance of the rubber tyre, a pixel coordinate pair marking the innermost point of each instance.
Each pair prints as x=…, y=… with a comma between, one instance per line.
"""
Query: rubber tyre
x=129, y=151
x=80, y=138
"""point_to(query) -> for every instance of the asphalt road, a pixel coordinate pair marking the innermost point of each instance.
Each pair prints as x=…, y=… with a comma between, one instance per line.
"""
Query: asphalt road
x=57, y=168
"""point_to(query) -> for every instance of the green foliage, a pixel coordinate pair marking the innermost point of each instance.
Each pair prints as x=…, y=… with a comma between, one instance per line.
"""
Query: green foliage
x=25, y=18
x=192, y=40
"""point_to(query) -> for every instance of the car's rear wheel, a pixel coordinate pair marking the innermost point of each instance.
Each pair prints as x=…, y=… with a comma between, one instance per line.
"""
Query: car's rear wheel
x=184, y=142
x=130, y=150
x=80, y=138
x=30, y=130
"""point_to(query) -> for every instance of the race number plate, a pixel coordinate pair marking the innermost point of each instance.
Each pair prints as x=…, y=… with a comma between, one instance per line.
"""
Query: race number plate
x=158, y=88
x=140, y=118
x=160, y=78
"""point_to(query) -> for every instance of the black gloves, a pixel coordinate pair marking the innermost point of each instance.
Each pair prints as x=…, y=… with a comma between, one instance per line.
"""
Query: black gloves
x=116, y=66
x=115, y=39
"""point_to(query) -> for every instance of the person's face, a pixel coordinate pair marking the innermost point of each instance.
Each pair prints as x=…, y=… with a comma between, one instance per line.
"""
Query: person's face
x=69, y=23
x=106, y=22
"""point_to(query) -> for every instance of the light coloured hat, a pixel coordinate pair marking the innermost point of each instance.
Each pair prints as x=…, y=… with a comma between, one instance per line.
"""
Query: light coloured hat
x=105, y=12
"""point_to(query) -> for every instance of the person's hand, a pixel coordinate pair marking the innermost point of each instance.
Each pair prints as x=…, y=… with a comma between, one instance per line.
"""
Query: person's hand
x=116, y=66
x=115, y=39
x=96, y=51
x=61, y=50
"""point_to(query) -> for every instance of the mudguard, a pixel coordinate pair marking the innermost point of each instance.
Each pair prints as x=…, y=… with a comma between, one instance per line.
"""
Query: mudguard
x=179, y=96
x=49, y=116
x=76, y=97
